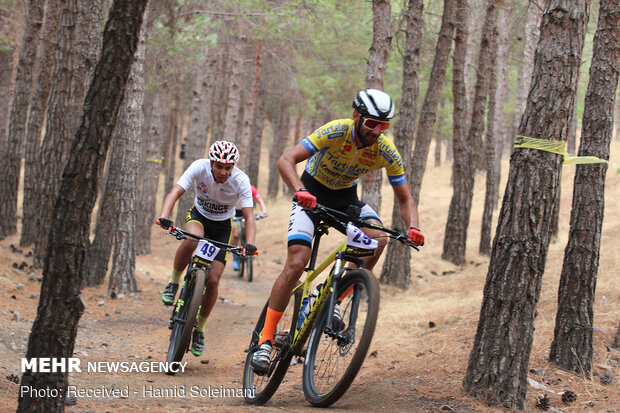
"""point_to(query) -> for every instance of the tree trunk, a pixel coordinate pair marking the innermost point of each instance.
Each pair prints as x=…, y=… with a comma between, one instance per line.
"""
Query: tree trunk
x=280, y=139
x=572, y=345
x=235, y=82
x=200, y=115
x=61, y=305
x=396, y=270
x=221, y=88
x=377, y=61
x=149, y=170
x=532, y=32
x=11, y=154
x=38, y=107
x=57, y=141
x=171, y=138
x=498, y=363
x=257, y=137
x=431, y=100
x=460, y=150
x=249, y=114
x=6, y=69
x=495, y=125
x=127, y=137
x=455, y=239
x=439, y=137
x=72, y=69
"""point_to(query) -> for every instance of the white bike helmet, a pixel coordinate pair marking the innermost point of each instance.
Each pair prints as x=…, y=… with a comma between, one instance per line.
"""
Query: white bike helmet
x=375, y=103
x=224, y=152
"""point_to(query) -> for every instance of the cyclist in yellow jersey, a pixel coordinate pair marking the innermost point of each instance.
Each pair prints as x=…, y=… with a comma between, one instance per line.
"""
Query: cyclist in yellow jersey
x=338, y=153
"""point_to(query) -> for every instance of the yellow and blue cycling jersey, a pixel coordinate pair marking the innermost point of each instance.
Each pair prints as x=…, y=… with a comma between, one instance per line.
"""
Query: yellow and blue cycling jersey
x=337, y=163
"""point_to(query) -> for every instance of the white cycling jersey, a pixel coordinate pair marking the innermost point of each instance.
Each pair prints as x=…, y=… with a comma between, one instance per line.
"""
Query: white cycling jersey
x=213, y=200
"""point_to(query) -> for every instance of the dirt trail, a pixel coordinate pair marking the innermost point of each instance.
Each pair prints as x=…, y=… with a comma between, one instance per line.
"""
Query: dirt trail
x=416, y=362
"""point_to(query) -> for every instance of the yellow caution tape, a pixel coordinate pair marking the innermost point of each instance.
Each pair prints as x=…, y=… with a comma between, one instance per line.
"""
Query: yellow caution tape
x=558, y=147
x=155, y=160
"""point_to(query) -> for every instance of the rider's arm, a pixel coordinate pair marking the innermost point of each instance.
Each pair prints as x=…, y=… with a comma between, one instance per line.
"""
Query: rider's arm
x=408, y=209
x=172, y=197
x=250, y=225
x=286, y=166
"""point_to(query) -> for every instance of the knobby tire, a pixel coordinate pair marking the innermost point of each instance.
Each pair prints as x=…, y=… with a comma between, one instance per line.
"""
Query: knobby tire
x=182, y=332
x=329, y=368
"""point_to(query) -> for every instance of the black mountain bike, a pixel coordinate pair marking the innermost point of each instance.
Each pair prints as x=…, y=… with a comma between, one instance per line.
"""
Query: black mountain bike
x=186, y=308
x=334, y=353
x=246, y=261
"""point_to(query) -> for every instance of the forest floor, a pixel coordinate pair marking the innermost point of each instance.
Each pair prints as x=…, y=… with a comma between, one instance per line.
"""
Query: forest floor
x=418, y=357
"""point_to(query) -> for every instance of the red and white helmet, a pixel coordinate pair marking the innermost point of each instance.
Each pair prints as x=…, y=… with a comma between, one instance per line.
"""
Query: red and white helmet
x=224, y=152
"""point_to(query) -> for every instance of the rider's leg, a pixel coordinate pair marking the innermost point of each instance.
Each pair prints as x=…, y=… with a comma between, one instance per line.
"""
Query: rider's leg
x=374, y=234
x=296, y=259
x=187, y=248
x=211, y=293
x=181, y=259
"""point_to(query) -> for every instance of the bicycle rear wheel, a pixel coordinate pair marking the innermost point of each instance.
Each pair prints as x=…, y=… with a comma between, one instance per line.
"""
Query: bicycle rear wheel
x=241, y=270
x=249, y=267
x=185, y=320
x=258, y=389
x=332, y=364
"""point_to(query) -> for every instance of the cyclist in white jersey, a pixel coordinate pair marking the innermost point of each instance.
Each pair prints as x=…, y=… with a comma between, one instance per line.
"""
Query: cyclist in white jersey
x=218, y=187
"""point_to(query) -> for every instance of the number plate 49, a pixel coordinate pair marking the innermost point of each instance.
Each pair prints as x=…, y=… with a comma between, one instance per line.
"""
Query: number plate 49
x=206, y=250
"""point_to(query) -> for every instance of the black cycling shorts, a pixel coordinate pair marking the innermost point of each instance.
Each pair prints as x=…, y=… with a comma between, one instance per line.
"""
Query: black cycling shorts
x=216, y=230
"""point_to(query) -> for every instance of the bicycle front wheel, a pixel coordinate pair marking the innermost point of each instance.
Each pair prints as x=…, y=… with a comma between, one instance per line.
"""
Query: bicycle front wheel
x=332, y=363
x=184, y=322
x=258, y=389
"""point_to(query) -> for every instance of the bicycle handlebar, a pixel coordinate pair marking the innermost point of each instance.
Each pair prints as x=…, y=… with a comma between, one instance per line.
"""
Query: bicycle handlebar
x=352, y=216
x=181, y=234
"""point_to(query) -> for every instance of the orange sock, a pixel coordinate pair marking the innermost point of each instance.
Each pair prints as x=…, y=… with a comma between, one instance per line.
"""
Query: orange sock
x=269, y=328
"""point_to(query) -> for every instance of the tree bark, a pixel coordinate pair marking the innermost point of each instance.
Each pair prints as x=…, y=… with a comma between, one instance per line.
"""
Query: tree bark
x=200, y=115
x=57, y=141
x=249, y=114
x=431, y=100
x=377, y=61
x=6, y=86
x=257, y=137
x=459, y=92
x=396, y=269
x=572, y=346
x=150, y=168
x=498, y=363
x=38, y=107
x=455, y=239
x=11, y=154
x=280, y=139
x=532, y=32
x=127, y=139
x=72, y=69
x=495, y=123
x=61, y=305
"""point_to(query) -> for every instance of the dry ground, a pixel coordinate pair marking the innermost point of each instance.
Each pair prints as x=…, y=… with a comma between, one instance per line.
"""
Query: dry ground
x=412, y=367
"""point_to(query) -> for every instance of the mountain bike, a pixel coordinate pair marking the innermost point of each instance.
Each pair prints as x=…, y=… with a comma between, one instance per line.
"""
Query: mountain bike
x=185, y=310
x=334, y=354
x=246, y=261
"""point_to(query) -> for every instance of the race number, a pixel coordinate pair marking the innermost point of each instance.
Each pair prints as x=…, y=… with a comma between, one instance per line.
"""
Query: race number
x=356, y=238
x=207, y=250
